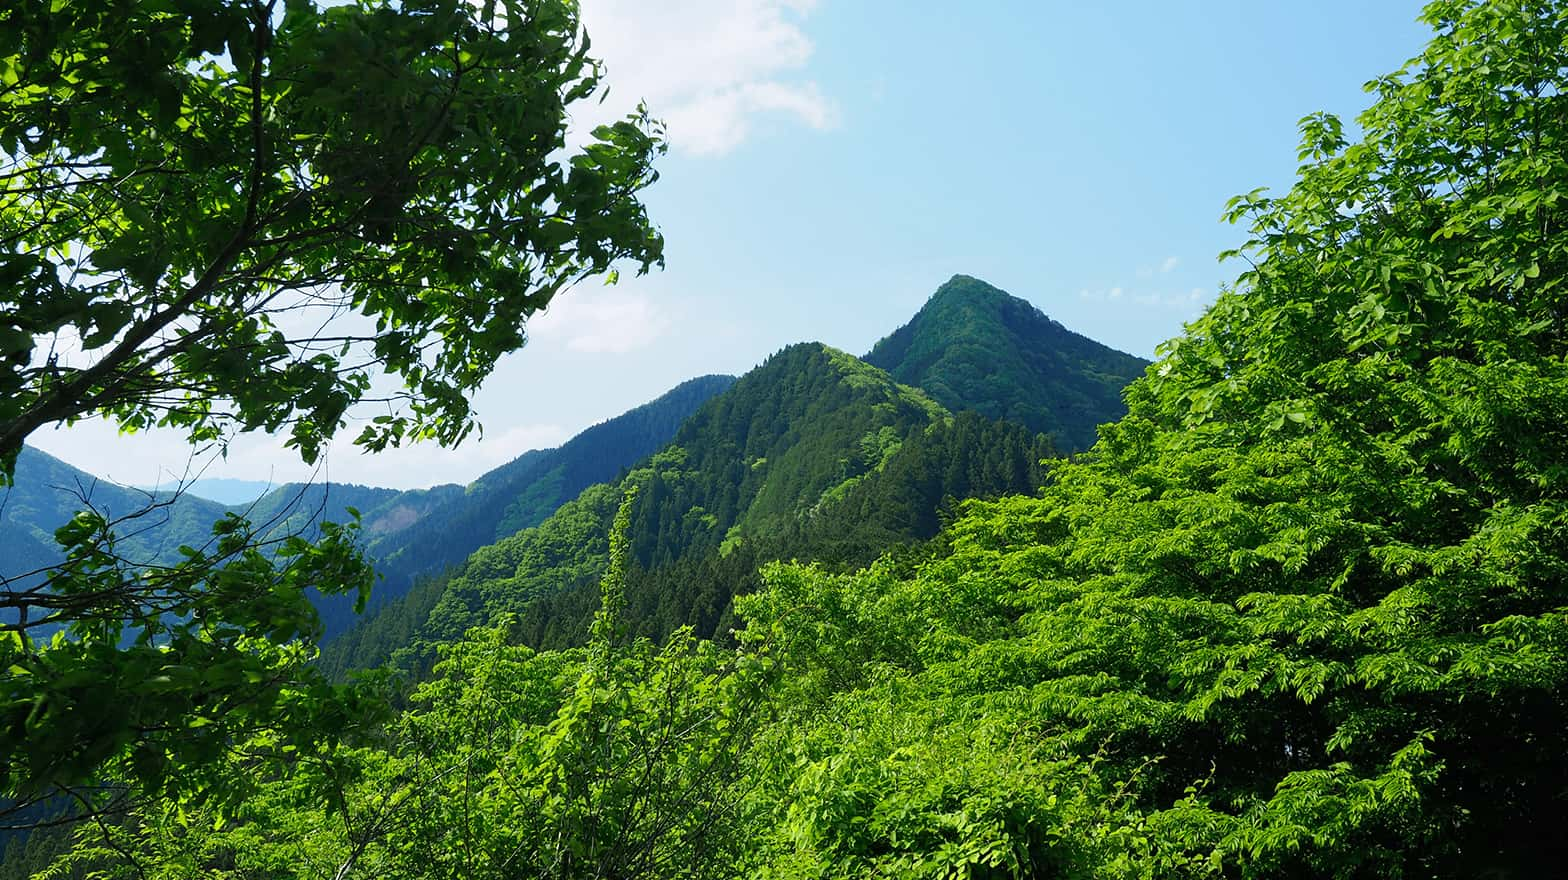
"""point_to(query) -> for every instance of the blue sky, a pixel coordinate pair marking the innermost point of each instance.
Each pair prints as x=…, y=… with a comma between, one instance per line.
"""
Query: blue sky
x=834, y=161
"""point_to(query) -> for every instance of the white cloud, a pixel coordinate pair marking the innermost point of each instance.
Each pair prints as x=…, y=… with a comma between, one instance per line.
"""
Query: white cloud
x=421, y=465
x=606, y=320
x=521, y=438
x=1169, y=264
x=717, y=122
x=1189, y=301
x=708, y=68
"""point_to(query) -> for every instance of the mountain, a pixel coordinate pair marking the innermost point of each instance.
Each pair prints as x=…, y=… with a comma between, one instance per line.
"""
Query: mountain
x=789, y=461
x=892, y=509
x=47, y=492
x=757, y=456
x=813, y=455
x=406, y=533
x=973, y=346
x=525, y=491
x=151, y=526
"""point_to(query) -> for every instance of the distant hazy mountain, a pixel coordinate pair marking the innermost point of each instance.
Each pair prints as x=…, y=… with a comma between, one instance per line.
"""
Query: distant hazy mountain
x=229, y=491
x=406, y=532
x=151, y=526
x=974, y=347
x=47, y=492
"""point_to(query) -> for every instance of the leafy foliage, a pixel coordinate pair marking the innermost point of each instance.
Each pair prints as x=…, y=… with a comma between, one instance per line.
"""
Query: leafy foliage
x=189, y=192
x=197, y=656
x=615, y=759
x=179, y=179
x=1303, y=609
x=1301, y=613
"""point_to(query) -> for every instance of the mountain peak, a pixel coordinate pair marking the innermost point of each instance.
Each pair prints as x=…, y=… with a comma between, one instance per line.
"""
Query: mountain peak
x=968, y=292
x=970, y=287
x=973, y=346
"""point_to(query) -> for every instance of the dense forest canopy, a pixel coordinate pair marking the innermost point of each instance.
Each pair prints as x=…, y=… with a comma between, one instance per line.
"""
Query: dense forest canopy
x=1301, y=612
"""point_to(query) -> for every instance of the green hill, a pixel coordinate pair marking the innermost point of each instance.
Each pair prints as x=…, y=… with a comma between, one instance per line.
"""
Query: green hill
x=973, y=346
x=811, y=455
x=525, y=491
x=784, y=441
x=892, y=509
x=814, y=455
x=48, y=492
x=408, y=533
x=515, y=496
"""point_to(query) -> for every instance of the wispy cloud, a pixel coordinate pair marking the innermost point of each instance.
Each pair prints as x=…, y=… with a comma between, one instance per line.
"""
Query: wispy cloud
x=1164, y=268
x=1191, y=300
x=708, y=68
x=604, y=320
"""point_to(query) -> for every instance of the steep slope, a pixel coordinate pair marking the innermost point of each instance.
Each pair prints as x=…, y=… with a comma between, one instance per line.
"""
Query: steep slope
x=47, y=492
x=755, y=460
x=525, y=491
x=151, y=526
x=892, y=509
x=407, y=532
x=973, y=346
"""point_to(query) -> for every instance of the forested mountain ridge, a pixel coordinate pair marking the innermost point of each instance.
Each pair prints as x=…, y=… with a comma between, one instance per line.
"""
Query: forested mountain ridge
x=731, y=492
x=47, y=492
x=756, y=458
x=892, y=509
x=407, y=533
x=525, y=491
x=517, y=495
x=973, y=346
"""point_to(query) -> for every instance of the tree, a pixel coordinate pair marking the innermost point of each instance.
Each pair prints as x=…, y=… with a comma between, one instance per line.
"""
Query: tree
x=617, y=759
x=188, y=190
x=1304, y=611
